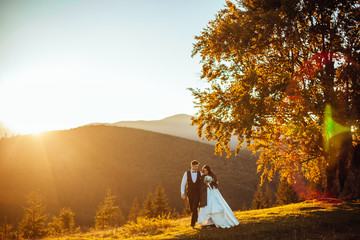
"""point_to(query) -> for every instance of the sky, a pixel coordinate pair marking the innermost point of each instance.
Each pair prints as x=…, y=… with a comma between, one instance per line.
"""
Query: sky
x=67, y=63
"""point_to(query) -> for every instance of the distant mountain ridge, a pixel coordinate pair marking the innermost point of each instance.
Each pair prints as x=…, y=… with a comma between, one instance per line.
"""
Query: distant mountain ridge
x=177, y=125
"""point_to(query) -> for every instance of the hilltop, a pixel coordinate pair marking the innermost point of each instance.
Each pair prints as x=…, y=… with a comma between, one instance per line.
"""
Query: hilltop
x=75, y=168
x=324, y=219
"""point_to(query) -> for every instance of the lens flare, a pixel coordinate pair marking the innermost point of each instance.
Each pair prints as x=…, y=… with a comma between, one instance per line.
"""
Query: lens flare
x=331, y=128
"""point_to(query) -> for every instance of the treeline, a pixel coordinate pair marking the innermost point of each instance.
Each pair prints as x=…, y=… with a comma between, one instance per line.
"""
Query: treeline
x=263, y=198
x=285, y=194
x=35, y=222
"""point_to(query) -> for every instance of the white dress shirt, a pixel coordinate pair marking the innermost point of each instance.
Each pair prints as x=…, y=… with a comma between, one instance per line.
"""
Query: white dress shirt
x=184, y=179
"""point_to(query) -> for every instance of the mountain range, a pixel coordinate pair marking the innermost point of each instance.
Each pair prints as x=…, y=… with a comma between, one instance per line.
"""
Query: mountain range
x=178, y=125
x=75, y=168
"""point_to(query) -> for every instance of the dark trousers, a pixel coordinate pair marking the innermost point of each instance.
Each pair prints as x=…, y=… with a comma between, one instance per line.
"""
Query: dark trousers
x=194, y=204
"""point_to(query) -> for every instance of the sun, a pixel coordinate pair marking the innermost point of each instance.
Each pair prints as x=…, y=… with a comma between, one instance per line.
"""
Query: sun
x=25, y=128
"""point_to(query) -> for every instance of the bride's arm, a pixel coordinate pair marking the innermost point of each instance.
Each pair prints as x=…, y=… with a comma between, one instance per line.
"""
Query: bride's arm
x=216, y=182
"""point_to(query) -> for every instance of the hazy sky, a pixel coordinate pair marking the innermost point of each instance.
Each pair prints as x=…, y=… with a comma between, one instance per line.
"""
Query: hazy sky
x=65, y=63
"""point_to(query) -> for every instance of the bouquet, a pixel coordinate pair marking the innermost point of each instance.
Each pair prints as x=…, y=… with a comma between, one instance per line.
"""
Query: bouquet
x=208, y=180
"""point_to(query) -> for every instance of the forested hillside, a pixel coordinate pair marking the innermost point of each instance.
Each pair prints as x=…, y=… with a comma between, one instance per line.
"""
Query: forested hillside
x=75, y=168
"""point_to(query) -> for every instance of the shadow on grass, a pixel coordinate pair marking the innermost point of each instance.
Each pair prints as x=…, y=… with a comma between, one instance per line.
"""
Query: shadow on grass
x=339, y=222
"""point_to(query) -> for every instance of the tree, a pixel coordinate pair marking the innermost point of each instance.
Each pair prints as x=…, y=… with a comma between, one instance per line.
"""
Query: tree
x=268, y=200
x=120, y=218
x=283, y=76
x=64, y=224
x=135, y=211
x=106, y=214
x=161, y=206
x=33, y=223
x=258, y=200
x=285, y=194
x=148, y=206
x=244, y=207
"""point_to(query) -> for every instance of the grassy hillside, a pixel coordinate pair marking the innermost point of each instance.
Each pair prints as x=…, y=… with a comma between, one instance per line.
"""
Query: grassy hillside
x=324, y=219
x=75, y=168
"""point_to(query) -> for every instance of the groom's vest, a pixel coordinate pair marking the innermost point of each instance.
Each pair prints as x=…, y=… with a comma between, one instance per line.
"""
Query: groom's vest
x=193, y=188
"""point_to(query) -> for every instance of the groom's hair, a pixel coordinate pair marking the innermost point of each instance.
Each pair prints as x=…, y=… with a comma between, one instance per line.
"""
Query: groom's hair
x=194, y=162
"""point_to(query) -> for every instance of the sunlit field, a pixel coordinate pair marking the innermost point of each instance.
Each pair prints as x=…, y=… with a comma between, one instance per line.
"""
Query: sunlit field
x=315, y=219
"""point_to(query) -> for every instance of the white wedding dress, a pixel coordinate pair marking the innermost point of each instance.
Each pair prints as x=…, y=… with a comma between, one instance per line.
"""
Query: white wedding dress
x=217, y=211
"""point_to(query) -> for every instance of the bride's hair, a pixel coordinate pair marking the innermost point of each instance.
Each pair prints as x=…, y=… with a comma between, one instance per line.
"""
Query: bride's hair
x=208, y=168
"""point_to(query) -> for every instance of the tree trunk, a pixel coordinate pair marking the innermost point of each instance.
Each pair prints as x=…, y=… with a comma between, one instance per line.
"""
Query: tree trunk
x=340, y=158
x=351, y=188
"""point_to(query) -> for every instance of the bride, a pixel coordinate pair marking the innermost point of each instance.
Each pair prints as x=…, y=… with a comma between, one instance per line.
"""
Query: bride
x=213, y=208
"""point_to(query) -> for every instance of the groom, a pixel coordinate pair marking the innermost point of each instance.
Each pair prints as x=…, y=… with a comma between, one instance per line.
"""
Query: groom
x=191, y=179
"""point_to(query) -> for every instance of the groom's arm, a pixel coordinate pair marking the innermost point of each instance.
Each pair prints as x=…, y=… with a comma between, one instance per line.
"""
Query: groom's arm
x=183, y=184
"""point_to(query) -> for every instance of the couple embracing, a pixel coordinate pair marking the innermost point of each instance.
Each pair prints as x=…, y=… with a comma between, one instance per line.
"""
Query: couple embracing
x=201, y=189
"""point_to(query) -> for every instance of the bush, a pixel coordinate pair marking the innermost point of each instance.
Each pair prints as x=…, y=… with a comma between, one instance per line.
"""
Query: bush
x=8, y=231
x=146, y=226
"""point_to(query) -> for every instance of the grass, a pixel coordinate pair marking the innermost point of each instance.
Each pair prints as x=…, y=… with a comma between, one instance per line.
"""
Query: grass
x=321, y=219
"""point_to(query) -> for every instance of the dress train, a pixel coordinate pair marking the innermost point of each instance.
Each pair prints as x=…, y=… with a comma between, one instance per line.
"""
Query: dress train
x=217, y=211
